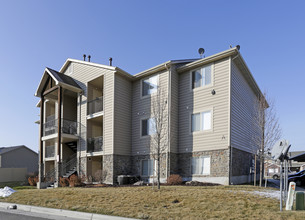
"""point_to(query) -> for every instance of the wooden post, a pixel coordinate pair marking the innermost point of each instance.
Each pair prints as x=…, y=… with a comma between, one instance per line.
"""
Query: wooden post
x=59, y=122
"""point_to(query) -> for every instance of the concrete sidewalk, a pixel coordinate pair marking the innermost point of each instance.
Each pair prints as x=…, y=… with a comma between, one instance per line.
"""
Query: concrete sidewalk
x=58, y=213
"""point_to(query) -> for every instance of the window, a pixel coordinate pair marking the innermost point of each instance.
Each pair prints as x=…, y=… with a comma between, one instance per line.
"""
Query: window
x=201, y=121
x=150, y=85
x=147, y=167
x=201, y=165
x=148, y=126
x=201, y=77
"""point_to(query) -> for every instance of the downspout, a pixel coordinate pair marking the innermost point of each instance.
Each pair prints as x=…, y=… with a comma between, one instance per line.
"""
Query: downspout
x=168, y=121
x=230, y=121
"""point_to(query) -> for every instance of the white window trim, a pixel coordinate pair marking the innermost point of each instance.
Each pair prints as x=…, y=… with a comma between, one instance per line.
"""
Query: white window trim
x=141, y=86
x=202, y=87
x=154, y=168
x=200, y=111
x=194, y=175
x=142, y=119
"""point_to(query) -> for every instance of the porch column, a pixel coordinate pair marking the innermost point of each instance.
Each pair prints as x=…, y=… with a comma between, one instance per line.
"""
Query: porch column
x=58, y=156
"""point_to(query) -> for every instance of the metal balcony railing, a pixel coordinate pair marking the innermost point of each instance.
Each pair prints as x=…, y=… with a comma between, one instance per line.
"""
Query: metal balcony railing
x=67, y=127
x=94, y=144
x=95, y=105
x=50, y=151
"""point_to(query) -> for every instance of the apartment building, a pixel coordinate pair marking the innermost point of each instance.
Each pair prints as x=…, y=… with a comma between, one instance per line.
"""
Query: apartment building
x=99, y=117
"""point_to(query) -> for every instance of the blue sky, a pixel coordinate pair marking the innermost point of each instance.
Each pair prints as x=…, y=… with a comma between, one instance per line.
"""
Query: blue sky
x=142, y=34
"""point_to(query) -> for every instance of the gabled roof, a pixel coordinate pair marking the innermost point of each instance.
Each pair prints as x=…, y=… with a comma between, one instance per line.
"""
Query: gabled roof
x=4, y=150
x=60, y=79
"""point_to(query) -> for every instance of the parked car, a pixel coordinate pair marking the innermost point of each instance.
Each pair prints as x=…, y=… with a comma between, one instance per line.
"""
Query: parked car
x=300, y=173
x=276, y=176
x=299, y=180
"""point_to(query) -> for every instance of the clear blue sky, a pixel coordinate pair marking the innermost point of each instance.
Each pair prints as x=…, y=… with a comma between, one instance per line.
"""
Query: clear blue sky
x=141, y=34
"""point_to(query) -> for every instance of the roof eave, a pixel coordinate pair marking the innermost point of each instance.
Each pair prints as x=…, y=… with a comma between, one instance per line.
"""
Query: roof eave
x=218, y=56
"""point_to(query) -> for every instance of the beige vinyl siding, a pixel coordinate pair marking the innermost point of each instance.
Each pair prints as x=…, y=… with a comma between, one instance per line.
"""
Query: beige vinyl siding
x=193, y=101
x=122, y=115
x=108, y=112
x=83, y=74
x=242, y=103
x=174, y=121
x=141, y=109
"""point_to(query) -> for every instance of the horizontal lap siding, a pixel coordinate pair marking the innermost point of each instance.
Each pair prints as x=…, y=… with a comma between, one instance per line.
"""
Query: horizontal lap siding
x=141, y=108
x=174, y=121
x=242, y=105
x=122, y=115
x=192, y=101
x=83, y=74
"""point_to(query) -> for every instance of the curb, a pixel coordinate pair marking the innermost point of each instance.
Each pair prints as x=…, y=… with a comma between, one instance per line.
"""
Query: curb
x=61, y=212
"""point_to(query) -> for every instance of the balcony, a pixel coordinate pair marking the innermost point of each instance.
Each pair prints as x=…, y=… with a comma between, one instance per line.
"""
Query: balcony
x=95, y=105
x=67, y=127
x=50, y=151
x=95, y=144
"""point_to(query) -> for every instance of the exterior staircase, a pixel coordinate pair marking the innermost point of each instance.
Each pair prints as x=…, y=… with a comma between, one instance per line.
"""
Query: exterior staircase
x=67, y=168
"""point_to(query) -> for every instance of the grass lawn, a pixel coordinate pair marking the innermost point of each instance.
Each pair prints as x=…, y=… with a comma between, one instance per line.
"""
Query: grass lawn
x=171, y=202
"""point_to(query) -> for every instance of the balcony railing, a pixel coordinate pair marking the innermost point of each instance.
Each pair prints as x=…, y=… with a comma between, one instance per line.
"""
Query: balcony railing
x=94, y=144
x=67, y=127
x=95, y=106
x=50, y=151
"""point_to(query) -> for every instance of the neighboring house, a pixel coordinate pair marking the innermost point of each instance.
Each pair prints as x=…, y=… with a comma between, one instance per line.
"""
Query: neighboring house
x=271, y=167
x=16, y=162
x=98, y=117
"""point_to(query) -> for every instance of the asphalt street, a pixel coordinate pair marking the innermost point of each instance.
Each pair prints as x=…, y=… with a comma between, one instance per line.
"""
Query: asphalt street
x=22, y=215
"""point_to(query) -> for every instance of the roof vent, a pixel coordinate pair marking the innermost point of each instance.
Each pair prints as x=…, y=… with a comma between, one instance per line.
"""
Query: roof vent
x=110, y=61
x=89, y=57
x=84, y=57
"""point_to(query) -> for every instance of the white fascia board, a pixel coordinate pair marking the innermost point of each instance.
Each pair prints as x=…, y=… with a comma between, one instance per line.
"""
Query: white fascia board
x=69, y=60
x=152, y=70
x=41, y=80
x=212, y=58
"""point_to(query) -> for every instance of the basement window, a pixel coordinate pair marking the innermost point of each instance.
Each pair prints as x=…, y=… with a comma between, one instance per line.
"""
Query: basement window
x=200, y=165
x=147, y=167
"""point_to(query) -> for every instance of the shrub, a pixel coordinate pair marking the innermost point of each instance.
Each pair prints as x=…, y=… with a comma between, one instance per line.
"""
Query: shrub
x=63, y=181
x=100, y=176
x=174, y=179
x=33, y=180
x=74, y=181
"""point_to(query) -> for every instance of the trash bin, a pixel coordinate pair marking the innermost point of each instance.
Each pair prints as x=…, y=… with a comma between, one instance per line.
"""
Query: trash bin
x=299, y=201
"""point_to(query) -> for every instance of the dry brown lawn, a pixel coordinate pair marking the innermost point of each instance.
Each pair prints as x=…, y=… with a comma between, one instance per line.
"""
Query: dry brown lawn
x=171, y=202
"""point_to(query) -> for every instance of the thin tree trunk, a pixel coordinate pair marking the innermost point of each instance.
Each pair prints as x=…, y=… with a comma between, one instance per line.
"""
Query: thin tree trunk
x=254, y=170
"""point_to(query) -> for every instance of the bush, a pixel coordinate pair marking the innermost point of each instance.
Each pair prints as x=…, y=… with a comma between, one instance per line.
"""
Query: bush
x=74, y=181
x=100, y=176
x=63, y=181
x=174, y=179
x=33, y=180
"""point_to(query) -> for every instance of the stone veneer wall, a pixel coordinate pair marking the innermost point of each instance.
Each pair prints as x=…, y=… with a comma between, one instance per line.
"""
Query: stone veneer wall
x=83, y=166
x=219, y=163
x=174, y=163
x=241, y=166
x=137, y=165
x=241, y=162
x=108, y=168
x=121, y=166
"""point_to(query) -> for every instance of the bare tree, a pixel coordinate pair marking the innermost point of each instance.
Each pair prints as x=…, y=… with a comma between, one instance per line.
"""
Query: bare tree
x=268, y=129
x=159, y=138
